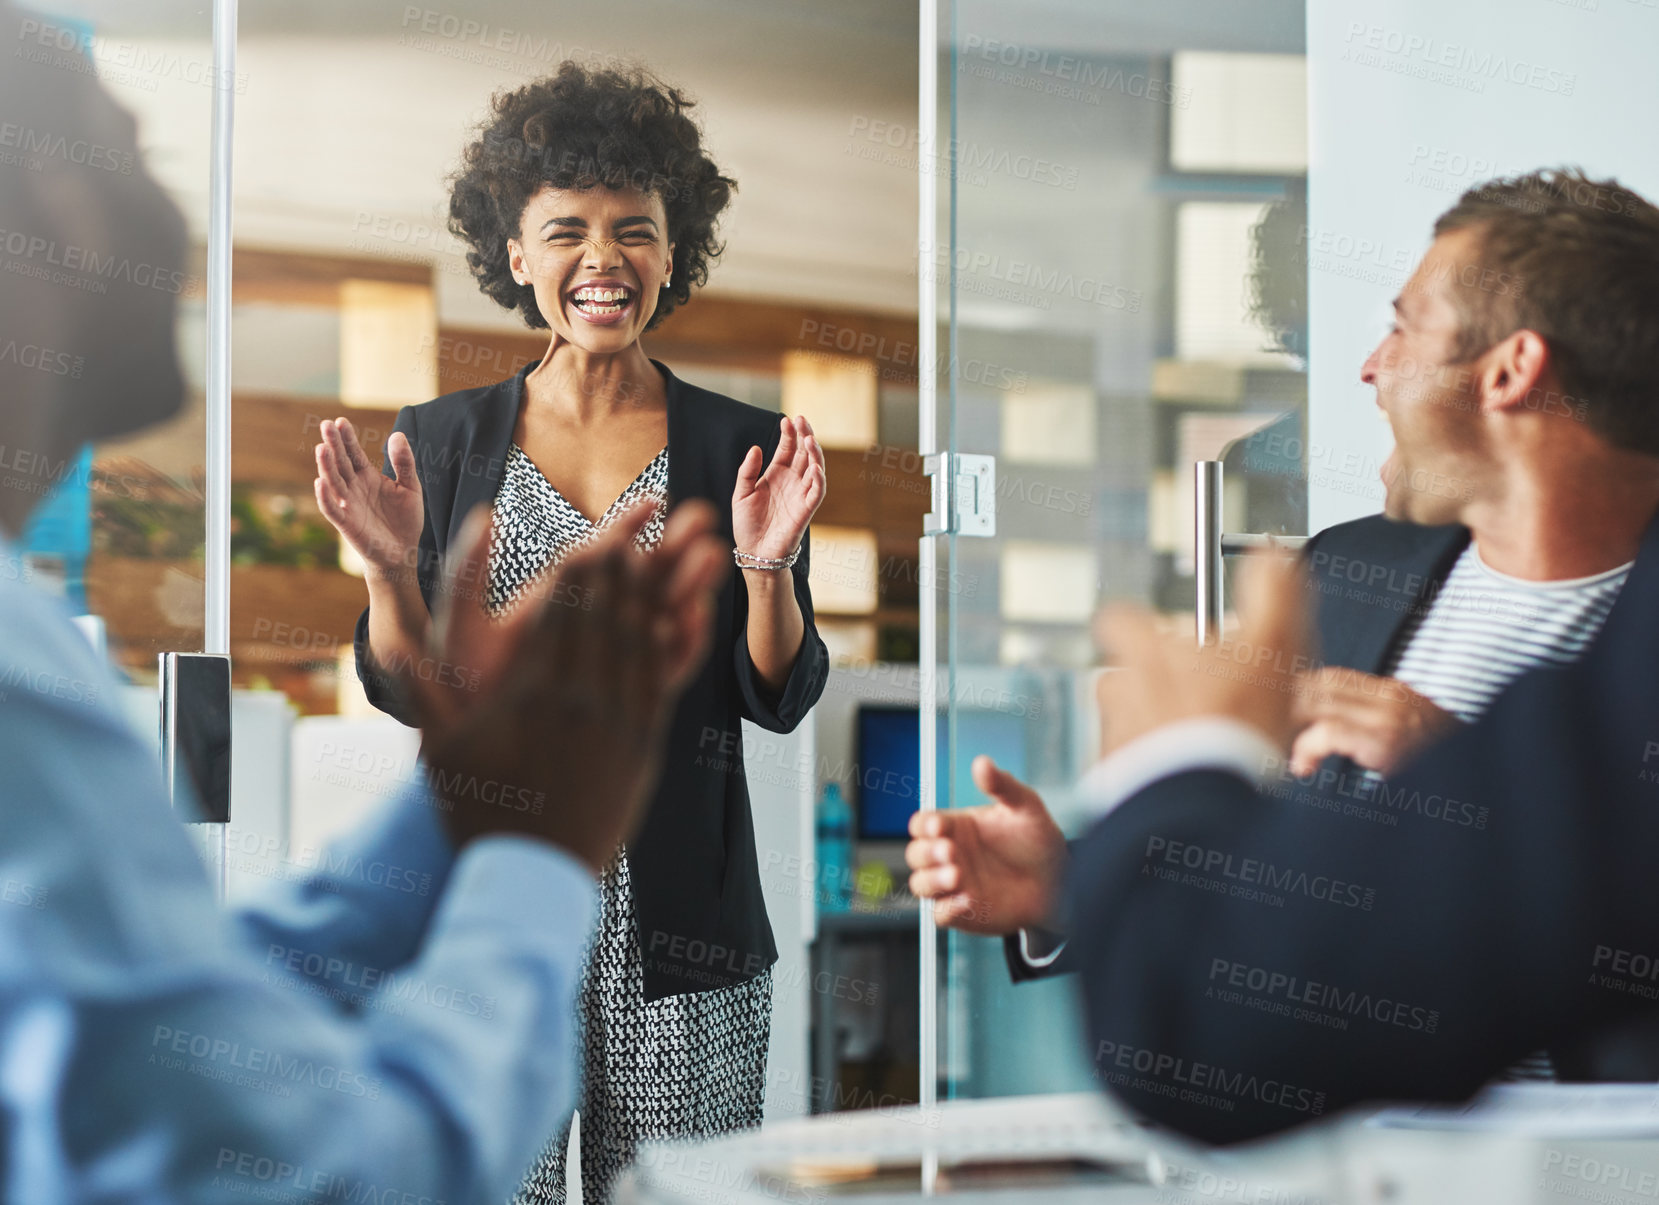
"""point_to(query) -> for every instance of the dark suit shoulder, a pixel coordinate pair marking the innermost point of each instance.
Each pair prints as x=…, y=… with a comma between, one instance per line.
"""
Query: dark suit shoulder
x=1381, y=539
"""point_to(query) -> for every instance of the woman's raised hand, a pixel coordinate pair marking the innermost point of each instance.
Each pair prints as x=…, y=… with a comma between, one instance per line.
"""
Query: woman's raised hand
x=771, y=511
x=378, y=516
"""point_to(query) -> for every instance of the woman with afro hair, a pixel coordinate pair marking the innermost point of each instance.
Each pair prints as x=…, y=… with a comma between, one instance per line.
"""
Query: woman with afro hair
x=588, y=205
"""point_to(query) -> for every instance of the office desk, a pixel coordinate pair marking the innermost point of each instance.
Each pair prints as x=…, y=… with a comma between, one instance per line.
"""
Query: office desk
x=1540, y=1153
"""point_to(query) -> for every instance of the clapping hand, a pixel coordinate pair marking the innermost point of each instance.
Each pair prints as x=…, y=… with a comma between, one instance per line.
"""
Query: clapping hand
x=1377, y=722
x=771, y=511
x=1164, y=678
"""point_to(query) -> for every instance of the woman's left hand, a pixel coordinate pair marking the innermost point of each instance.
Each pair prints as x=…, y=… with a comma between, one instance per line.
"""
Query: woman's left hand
x=770, y=511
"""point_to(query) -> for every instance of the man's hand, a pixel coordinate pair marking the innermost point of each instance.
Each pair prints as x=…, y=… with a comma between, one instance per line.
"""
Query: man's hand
x=562, y=739
x=989, y=869
x=1378, y=722
x=1164, y=677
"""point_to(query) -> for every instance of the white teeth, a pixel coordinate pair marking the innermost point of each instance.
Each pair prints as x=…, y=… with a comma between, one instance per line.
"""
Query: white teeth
x=601, y=296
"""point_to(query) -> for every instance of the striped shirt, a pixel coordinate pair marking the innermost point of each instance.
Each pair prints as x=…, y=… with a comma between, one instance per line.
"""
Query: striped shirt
x=1483, y=630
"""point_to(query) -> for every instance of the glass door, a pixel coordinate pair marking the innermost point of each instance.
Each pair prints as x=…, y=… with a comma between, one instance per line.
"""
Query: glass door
x=1115, y=257
x=126, y=533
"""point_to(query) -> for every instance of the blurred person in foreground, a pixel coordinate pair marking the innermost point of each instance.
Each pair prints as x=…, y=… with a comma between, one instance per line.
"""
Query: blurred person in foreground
x=397, y=1026
x=588, y=204
x=1304, y=901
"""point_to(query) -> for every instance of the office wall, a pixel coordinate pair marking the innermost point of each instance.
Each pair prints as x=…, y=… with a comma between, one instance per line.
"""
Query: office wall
x=1411, y=102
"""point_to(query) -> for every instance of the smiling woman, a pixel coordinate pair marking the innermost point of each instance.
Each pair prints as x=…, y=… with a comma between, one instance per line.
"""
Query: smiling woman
x=579, y=131
x=589, y=206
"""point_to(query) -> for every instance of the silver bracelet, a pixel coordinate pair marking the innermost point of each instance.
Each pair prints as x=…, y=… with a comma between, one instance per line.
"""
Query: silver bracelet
x=748, y=560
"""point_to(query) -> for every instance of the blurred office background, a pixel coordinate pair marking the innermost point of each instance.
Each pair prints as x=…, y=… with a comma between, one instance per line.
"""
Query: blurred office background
x=1109, y=312
x=1125, y=258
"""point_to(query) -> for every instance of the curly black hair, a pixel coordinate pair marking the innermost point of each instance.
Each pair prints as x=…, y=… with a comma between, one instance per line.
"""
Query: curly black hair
x=584, y=128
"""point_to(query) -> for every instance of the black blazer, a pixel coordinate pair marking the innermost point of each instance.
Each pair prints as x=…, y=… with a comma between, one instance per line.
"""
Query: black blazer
x=696, y=880
x=1251, y=959
x=1369, y=579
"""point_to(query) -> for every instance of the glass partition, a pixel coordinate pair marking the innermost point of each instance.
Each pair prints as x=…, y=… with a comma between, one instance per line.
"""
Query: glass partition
x=1120, y=276
x=122, y=535
x=352, y=297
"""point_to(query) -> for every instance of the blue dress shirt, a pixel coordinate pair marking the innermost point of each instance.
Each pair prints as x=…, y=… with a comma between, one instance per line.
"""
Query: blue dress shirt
x=395, y=1028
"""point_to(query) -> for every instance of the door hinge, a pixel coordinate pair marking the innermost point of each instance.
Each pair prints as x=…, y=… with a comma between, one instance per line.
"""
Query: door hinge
x=964, y=494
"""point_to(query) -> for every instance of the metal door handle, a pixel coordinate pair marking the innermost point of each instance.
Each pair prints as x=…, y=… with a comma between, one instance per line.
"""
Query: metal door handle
x=1210, y=547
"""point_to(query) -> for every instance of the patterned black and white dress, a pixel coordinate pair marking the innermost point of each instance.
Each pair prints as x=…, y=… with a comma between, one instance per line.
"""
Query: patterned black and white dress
x=683, y=1066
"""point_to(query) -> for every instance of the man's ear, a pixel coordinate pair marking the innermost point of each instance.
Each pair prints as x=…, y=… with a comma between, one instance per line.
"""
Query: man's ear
x=1513, y=371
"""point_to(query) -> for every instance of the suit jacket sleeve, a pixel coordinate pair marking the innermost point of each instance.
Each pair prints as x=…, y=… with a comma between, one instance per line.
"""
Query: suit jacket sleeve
x=782, y=712
x=380, y=683
x=1021, y=971
x=1250, y=961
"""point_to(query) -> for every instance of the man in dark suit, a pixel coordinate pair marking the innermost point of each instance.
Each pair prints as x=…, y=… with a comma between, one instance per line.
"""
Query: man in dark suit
x=1255, y=951
x=1348, y=699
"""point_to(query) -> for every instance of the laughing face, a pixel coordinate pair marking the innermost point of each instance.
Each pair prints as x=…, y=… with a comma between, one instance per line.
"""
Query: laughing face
x=1433, y=405
x=596, y=259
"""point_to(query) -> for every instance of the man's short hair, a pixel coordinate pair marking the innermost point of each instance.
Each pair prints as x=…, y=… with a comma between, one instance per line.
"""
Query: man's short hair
x=1577, y=261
